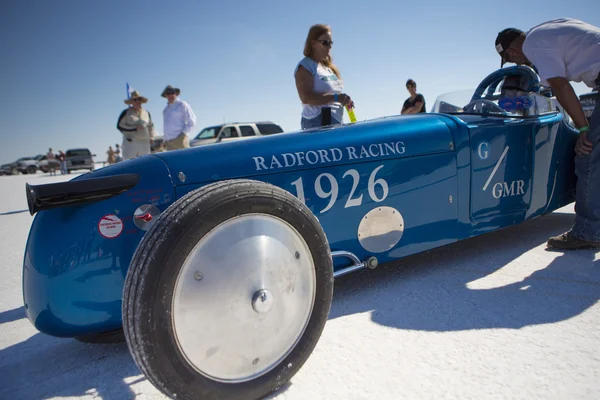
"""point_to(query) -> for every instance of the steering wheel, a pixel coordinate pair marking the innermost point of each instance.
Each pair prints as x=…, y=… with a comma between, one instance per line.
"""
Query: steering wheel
x=471, y=106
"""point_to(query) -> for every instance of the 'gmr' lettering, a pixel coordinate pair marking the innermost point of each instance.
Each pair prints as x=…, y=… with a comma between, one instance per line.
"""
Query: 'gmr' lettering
x=502, y=189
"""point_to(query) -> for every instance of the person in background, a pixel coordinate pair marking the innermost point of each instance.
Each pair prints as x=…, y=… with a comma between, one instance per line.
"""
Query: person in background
x=178, y=119
x=62, y=160
x=137, y=127
x=415, y=104
x=319, y=83
x=567, y=50
x=118, y=153
x=51, y=162
x=110, y=159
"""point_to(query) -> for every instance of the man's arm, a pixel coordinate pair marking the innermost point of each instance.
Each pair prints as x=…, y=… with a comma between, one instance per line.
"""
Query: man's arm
x=189, y=118
x=568, y=99
x=414, y=109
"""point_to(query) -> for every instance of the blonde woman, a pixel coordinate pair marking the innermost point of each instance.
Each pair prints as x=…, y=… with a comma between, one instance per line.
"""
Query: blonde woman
x=319, y=82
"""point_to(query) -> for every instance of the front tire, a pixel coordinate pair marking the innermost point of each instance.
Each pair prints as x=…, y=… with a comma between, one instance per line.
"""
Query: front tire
x=228, y=292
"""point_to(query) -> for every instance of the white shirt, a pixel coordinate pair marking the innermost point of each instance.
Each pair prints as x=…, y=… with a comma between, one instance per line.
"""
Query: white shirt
x=324, y=81
x=178, y=117
x=565, y=48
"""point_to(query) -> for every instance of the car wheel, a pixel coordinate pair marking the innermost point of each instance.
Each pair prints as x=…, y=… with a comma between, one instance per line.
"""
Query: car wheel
x=116, y=336
x=14, y=171
x=31, y=169
x=228, y=292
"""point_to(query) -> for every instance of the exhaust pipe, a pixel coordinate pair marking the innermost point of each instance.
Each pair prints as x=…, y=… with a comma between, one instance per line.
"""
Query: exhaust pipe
x=76, y=192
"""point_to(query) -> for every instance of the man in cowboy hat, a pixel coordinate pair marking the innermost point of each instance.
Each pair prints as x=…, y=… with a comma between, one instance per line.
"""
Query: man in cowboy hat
x=135, y=123
x=178, y=120
x=565, y=50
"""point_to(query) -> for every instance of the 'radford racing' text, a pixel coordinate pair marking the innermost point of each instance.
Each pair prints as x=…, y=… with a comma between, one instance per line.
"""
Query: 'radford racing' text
x=312, y=157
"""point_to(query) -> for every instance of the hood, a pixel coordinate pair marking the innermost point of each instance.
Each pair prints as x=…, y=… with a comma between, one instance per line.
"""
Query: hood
x=379, y=139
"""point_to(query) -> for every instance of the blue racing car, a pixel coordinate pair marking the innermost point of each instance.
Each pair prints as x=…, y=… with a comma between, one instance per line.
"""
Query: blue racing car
x=216, y=264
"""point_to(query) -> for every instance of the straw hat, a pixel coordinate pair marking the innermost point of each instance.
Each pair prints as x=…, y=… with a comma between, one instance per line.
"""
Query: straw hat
x=135, y=95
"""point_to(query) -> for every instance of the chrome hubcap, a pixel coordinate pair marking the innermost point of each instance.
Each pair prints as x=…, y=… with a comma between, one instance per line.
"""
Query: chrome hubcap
x=262, y=301
x=243, y=298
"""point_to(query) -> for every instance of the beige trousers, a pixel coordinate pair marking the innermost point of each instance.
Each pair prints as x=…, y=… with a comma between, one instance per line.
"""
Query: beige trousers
x=180, y=142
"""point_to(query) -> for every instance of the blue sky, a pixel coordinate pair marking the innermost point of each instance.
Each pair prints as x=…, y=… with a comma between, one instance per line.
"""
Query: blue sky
x=65, y=63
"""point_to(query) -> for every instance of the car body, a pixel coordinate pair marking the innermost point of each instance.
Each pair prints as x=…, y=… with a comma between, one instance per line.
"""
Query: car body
x=253, y=233
x=45, y=165
x=234, y=131
x=5, y=169
x=157, y=144
x=29, y=165
x=80, y=158
x=18, y=166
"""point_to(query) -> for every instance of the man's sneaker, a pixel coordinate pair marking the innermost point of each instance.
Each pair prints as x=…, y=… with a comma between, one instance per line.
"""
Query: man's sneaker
x=566, y=241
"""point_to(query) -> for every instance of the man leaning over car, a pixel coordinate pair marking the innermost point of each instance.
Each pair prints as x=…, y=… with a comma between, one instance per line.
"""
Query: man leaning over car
x=565, y=50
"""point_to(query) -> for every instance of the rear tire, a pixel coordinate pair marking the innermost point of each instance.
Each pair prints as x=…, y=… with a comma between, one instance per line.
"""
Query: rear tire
x=191, y=316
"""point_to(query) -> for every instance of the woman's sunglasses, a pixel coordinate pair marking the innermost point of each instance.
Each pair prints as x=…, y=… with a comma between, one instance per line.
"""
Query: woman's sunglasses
x=326, y=42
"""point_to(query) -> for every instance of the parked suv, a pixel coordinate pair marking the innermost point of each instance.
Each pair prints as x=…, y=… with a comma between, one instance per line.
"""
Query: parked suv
x=79, y=159
x=235, y=131
x=588, y=102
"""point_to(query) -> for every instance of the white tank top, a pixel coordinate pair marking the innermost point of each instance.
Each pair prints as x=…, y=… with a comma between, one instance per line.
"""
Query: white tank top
x=324, y=81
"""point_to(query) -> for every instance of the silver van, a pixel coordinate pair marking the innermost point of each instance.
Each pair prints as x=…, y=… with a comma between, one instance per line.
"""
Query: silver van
x=235, y=131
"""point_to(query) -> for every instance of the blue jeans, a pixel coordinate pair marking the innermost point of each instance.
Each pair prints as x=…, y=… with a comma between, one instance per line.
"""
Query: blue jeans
x=315, y=122
x=587, y=197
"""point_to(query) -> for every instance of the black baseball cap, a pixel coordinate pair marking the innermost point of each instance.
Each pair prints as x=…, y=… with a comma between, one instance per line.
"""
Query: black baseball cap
x=504, y=39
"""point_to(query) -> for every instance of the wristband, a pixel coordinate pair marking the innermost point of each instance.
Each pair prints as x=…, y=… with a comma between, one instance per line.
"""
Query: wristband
x=583, y=129
x=335, y=97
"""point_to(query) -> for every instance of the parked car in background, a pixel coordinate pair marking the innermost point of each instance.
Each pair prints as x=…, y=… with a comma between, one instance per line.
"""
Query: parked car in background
x=235, y=131
x=79, y=159
x=45, y=165
x=30, y=165
x=157, y=142
x=588, y=102
x=14, y=168
x=5, y=169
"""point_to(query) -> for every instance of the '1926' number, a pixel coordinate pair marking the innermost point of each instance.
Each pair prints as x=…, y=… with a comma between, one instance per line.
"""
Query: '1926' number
x=333, y=193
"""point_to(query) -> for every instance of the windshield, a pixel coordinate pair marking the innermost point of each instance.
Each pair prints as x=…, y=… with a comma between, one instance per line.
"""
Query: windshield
x=459, y=102
x=78, y=152
x=208, y=133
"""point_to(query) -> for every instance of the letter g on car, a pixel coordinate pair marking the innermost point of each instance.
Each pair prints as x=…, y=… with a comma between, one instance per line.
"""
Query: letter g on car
x=483, y=150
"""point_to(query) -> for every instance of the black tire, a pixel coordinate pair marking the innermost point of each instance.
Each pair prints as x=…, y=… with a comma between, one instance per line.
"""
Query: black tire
x=150, y=281
x=31, y=169
x=116, y=336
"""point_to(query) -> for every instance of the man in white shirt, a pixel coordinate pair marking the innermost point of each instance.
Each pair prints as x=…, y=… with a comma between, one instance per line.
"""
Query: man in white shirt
x=178, y=120
x=565, y=50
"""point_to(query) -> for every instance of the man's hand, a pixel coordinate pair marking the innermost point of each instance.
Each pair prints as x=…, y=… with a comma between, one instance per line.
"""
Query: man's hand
x=583, y=146
x=566, y=96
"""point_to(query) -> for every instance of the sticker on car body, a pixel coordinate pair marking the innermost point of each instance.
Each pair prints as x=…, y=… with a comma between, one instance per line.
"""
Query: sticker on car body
x=110, y=226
